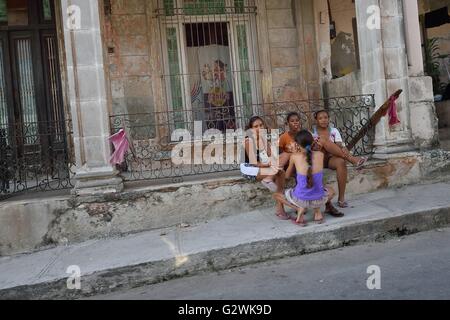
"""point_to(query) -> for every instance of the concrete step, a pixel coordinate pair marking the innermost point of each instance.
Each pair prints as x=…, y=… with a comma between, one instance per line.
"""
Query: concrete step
x=237, y=240
x=46, y=220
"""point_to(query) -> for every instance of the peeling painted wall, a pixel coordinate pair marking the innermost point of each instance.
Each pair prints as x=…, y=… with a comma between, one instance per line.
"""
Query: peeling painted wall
x=343, y=48
x=127, y=42
x=343, y=56
x=292, y=51
x=284, y=55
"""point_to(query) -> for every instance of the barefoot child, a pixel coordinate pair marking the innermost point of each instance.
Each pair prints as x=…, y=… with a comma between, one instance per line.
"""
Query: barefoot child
x=309, y=192
x=326, y=134
x=260, y=165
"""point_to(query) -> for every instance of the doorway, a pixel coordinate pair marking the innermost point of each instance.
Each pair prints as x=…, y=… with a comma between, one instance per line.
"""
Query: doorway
x=32, y=124
x=211, y=64
x=31, y=107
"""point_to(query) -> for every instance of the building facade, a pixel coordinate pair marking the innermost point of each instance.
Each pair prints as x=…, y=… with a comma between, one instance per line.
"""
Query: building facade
x=75, y=71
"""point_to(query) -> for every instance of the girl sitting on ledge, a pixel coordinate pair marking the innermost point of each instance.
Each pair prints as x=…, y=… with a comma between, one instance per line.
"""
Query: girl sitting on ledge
x=335, y=158
x=260, y=165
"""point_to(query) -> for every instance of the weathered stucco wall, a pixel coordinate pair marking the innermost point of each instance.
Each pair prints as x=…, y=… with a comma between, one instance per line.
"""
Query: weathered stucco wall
x=293, y=49
x=33, y=224
x=343, y=47
x=424, y=122
x=345, y=86
x=334, y=54
x=284, y=55
x=290, y=34
x=343, y=11
x=127, y=42
x=24, y=224
x=310, y=72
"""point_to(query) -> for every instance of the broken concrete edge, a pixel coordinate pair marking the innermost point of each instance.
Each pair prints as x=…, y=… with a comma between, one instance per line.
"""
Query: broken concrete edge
x=153, y=272
x=132, y=191
x=49, y=222
x=37, y=225
x=129, y=193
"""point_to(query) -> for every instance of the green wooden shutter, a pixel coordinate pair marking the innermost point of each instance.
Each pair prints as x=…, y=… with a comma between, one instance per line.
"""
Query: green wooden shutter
x=246, y=86
x=175, y=78
x=3, y=12
x=169, y=8
x=239, y=6
x=3, y=101
x=202, y=7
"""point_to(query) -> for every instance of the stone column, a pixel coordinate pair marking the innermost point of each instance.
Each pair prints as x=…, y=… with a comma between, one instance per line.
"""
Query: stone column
x=322, y=21
x=413, y=41
x=384, y=69
x=424, y=122
x=307, y=48
x=264, y=53
x=88, y=97
x=281, y=49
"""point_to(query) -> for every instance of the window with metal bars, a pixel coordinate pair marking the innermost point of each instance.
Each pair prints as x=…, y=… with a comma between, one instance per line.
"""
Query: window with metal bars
x=211, y=68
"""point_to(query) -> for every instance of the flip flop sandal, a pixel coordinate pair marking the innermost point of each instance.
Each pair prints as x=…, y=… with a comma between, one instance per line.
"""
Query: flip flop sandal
x=343, y=204
x=361, y=163
x=283, y=216
x=334, y=212
x=321, y=221
x=304, y=224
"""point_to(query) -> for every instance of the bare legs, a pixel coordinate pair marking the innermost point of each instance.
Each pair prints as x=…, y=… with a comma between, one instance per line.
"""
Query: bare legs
x=284, y=159
x=301, y=217
x=280, y=198
x=318, y=216
x=330, y=209
x=280, y=180
x=335, y=150
x=340, y=166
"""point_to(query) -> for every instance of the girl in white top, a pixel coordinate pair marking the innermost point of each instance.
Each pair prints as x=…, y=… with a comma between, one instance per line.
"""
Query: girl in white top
x=260, y=164
x=335, y=135
x=324, y=132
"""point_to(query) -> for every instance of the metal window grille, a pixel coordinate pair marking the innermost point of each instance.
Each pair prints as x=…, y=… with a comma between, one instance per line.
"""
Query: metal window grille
x=151, y=161
x=211, y=67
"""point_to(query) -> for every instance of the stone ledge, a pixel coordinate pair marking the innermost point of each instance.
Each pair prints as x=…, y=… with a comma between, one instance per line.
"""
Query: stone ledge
x=67, y=220
x=219, y=245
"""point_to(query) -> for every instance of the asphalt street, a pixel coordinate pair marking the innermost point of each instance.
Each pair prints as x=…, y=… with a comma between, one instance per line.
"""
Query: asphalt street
x=412, y=267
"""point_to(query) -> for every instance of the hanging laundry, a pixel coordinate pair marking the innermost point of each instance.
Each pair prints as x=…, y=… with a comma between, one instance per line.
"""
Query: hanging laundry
x=392, y=112
x=121, y=146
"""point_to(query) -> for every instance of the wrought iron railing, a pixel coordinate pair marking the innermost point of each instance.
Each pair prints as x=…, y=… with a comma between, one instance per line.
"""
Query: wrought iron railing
x=35, y=157
x=152, y=141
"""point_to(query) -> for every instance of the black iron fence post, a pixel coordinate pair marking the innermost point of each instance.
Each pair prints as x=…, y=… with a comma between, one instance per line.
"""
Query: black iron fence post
x=34, y=160
x=4, y=172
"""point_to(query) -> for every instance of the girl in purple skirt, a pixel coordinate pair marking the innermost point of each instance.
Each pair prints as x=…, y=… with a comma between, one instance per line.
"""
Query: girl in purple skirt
x=310, y=192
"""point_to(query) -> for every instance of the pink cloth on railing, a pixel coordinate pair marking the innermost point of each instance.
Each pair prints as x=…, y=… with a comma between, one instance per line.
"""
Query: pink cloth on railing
x=392, y=112
x=121, y=146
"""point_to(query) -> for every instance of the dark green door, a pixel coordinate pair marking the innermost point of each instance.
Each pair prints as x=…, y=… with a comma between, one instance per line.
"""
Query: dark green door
x=31, y=110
